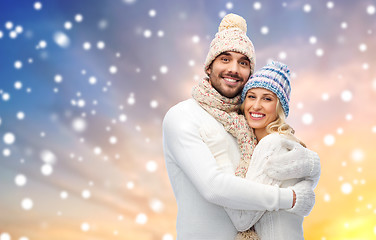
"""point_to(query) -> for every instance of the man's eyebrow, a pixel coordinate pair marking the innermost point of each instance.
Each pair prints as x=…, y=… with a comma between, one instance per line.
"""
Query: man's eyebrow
x=245, y=58
x=224, y=53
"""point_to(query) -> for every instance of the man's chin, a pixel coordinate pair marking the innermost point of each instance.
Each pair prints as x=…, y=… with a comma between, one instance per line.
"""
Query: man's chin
x=231, y=94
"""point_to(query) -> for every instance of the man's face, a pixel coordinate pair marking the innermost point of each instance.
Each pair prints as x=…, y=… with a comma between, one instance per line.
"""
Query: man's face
x=228, y=73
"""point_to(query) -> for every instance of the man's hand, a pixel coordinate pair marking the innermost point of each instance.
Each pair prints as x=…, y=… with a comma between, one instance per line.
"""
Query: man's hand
x=293, y=199
x=304, y=197
x=298, y=162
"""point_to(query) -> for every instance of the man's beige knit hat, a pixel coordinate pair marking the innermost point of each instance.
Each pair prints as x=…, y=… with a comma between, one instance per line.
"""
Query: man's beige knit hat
x=231, y=37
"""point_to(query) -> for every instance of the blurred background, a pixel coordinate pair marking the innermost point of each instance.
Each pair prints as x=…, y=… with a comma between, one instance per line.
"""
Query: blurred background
x=85, y=84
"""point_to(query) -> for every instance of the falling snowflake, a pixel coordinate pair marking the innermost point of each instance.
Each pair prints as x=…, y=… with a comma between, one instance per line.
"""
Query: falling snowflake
x=257, y=6
x=37, y=5
x=195, y=39
x=61, y=39
x=346, y=188
x=5, y=236
x=319, y=52
x=20, y=180
x=357, y=155
x=147, y=33
x=152, y=13
x=312, y=40
x=27, y=204
x=68, y=25
x=86, y=46
x=78, y=18
x=63, y=195
x=307, y=8
x=307, y=118
x=85, y=226
x=141, y=219
x=9, y=138
x=264, y=30
x=18, y=64
x=346, y=96
x=86, y=194
x=330, y=5
x=163, y=69
x=229, y=5
x=329, y=140
x=46, y=169
x=371, y=10
x=153, y=104
x=151, y=166
x=113, y=140
x=156, y=205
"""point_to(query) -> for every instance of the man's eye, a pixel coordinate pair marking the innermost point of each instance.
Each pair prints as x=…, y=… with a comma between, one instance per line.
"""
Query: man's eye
x=244, y=63
x=225, y=59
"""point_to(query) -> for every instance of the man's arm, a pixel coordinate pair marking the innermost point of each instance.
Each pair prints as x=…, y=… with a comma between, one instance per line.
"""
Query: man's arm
x=182, y=142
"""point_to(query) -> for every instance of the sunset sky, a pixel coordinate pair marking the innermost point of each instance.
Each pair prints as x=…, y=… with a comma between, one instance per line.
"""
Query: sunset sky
x=85, y=84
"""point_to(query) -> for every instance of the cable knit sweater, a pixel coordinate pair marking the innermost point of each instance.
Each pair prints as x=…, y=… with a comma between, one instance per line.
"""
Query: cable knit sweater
x=202, y=189
x=276, y=225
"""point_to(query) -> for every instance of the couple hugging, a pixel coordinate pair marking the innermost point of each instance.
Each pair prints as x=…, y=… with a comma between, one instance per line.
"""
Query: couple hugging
x=235, y=166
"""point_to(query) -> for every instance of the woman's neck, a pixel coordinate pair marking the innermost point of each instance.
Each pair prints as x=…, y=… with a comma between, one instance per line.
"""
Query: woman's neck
x=260, y=133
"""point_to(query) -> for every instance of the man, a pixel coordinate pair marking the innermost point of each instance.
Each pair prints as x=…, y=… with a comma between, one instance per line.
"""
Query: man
x=200, y=188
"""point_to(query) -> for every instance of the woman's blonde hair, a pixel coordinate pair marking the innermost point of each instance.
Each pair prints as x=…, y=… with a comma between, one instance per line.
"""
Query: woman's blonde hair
x=279, y=125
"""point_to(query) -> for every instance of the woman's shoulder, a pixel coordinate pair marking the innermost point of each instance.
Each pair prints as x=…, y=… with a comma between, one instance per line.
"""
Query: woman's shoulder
x=273, y=138
x=275, y=141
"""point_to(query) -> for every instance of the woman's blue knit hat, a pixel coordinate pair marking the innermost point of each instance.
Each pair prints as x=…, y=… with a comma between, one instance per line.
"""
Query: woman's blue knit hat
x=275, y=76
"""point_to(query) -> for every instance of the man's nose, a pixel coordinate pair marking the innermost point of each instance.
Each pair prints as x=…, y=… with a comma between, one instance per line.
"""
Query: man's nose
x=233, y=67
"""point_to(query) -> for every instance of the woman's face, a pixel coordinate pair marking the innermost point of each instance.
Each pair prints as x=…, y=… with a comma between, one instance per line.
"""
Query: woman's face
x=260, y=108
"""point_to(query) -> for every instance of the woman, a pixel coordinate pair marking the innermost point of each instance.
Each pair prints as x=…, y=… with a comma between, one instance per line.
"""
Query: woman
x=265, y=105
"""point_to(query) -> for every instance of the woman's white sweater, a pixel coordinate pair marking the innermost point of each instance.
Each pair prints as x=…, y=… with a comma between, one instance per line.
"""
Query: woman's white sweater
x=200, y=187
x=274, y=225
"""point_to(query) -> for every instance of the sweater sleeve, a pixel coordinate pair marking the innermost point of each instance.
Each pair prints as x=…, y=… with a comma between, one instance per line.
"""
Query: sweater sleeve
x=183, y=144
x=242, y=219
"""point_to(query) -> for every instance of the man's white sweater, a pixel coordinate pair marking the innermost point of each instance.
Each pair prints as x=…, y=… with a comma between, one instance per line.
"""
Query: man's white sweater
x=201, y=188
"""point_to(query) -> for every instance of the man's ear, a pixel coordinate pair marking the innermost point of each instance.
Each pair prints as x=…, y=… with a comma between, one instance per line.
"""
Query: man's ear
x=208, y=71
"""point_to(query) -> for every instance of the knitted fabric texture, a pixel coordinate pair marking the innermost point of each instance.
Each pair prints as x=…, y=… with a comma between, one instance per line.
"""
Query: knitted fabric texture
x=250, y=234
x=224, y=110
x=275, y=77
x=231, y=37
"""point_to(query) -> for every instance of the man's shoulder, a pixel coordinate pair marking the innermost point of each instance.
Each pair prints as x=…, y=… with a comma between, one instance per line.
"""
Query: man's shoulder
x=184, y=105
x=183, y=110
x=188, y=113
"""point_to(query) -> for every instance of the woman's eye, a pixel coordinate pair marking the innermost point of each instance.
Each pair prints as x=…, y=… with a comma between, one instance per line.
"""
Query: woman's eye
x=250, y=96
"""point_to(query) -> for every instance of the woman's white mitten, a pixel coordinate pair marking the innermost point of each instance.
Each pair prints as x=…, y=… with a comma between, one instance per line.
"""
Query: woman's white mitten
x=297, y=162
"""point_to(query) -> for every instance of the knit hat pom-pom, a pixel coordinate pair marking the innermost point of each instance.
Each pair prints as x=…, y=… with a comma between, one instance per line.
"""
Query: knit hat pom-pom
x=233, y=21
x=281, y=66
